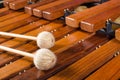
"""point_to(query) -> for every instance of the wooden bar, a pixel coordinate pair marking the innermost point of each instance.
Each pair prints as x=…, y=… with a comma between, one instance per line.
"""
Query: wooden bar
x=75, y=19
x=11, y=15
x=63, y=31
x=6, y=2
x=31, y=26
x=29, y=8
x=116, y=76
x=117, y=34
x=13, y=20
x=16, y=25
x=98, y=21
x=58, y=10
x=19, y=4
x=22, y=30
x=108, y=69
x=88, y=64
x=54, y=25
x=19, y=23
x=39, y=25
x=38, y=10
x=6, y=12
x=3, y=10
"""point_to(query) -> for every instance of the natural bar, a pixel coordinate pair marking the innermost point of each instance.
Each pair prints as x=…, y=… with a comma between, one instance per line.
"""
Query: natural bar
x=38, y=10
x=98, y=21
x=29, y=8
x=19, y=4
x=74, y=19
x=58, y=10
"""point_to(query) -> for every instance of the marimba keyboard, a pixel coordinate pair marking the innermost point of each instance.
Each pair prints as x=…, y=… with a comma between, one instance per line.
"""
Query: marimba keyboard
x=80, y=54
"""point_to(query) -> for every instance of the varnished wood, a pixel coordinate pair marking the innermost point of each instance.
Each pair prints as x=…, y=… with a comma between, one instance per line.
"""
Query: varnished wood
x=53, y=26
x=14, y=14
x=98, y=21
x=75, y=19
x=65, y=58
x=29, y=63
x=116, y=76
x=13, y=20
x=58, y=10
x=36, y=31
x=24, y=30
x=89, y=63
x=7, y=11
x=3, y=10
x=117, y=34
x=108, y=69
x=18, y=4
x=73, y=47
x=6, y=2
x=29, y=8
x=18, y=23
x=38, y=10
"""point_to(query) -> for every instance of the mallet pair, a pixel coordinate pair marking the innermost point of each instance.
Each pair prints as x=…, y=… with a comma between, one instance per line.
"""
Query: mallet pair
x=43, y=59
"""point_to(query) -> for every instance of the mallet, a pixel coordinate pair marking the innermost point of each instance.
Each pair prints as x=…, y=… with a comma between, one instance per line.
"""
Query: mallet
x=44, y=39
x=43, y=59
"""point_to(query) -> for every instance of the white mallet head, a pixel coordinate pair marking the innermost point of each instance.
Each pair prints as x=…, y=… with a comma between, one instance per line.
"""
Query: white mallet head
x=45, y=40
x=45, y=59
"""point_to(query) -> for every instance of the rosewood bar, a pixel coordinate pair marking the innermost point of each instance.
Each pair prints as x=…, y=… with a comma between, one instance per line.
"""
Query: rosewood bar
x=18, y=4
x=58, y=10
x=98, y=21
x=38, y=10
x=111, y=68
x=84, y=67
x=29, y=8
x=75, y=19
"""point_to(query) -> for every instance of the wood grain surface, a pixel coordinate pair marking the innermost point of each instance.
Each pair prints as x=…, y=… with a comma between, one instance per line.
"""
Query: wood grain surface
x=75, y=19
x=117, y=34
x=107, y=71
x=98, y=21
x=18, y=42
x=89, y=63
x=6, y=2
x=58, y=10
x=29, y=8
x=65, y=58
x=18, y=4
x=80, y=55
x=14, y=14
x=116, y=76
x=38, y=10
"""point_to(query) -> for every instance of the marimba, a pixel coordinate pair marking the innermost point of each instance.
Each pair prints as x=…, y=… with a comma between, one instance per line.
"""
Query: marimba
x=84, y=46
